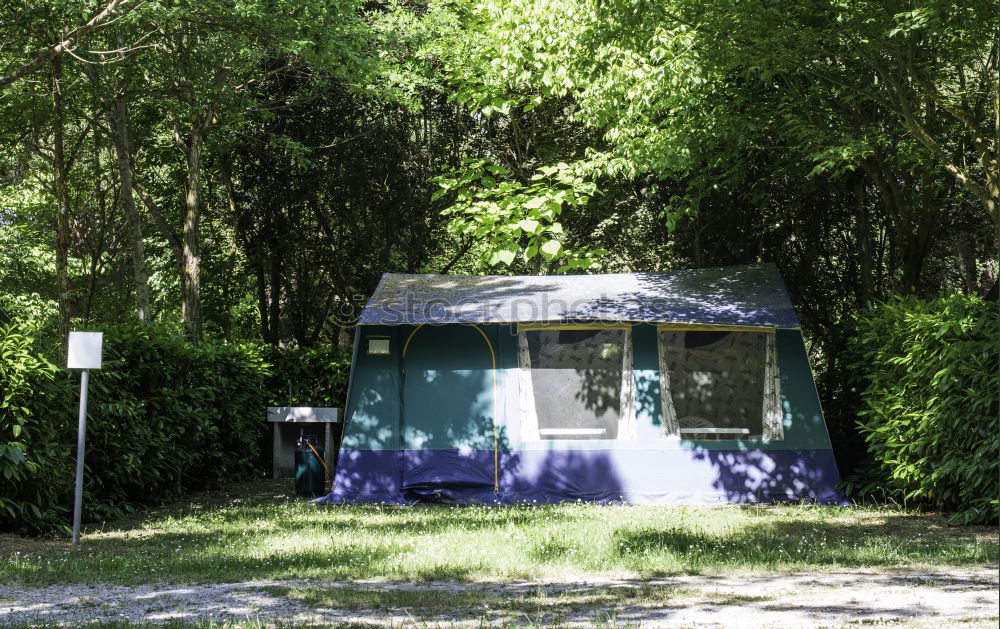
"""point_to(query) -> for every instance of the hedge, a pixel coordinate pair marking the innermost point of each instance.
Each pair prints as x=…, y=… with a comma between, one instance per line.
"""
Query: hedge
x=166, y=417
x=930, y=415
x=315, y=376
x=33, y=443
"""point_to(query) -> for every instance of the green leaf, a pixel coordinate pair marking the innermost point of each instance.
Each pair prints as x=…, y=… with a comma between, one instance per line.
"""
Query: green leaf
x=504, y=256
x=528, y=225
x=551, y=248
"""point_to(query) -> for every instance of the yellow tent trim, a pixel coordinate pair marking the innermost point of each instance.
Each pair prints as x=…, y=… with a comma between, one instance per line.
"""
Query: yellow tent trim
x=410, y=338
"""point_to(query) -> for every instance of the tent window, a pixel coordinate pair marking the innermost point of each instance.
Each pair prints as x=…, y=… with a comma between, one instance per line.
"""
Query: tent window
x=378, y=346
x=720, y=384
x=576, y=383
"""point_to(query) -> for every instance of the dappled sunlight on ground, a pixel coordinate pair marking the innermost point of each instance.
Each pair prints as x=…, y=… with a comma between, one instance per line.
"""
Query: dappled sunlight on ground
x=267, y=534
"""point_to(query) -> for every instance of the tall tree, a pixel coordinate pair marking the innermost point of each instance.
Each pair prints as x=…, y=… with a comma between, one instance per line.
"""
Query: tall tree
x=113, y=96
x=682, y=90
x=60, y=172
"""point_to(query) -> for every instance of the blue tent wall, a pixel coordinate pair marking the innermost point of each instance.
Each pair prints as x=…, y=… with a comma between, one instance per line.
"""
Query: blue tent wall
x=405, y=441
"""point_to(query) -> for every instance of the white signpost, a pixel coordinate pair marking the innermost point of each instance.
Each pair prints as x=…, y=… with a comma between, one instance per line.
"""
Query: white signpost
x=85, y=354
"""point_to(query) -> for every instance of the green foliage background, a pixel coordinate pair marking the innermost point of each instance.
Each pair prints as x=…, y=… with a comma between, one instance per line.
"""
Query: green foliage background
x=166, y=417
x=932, y=402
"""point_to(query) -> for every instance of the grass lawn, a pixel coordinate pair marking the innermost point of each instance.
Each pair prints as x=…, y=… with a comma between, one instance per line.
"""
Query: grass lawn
x=260, y=531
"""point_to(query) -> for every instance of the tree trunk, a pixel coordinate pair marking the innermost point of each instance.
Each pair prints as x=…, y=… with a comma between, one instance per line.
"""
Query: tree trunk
x=864, y=236
x=994, y=293
x=62, y=203
x=116, y=112
x=265, y=328
x=274, y=296
x=988, y=281
x=191, y=304
x=123, y=147
x=917, y=244
x=968, y=264
x=912, y=222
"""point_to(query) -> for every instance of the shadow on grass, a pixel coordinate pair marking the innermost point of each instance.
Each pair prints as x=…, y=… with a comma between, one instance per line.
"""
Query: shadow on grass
x=656, y=602
x=272, y=537
x=432, y=518
x=199, y=565
x=805, y=543
x=199, y=528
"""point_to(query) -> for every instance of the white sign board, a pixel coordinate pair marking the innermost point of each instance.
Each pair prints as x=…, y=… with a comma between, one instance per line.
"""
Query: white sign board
x=85, y=350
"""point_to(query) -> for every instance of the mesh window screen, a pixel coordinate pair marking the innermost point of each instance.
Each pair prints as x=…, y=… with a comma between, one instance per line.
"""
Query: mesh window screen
x=576, y=382
x=717, y=383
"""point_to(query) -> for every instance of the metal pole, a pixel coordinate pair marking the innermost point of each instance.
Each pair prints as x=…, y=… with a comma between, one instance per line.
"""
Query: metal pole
x=80, y=441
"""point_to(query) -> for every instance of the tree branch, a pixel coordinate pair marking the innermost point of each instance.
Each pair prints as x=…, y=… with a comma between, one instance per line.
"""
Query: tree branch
x=168, y=232
x=70, y=39
x=956, y=171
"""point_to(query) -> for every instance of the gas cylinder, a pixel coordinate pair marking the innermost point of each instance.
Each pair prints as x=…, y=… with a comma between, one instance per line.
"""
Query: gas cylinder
x=309, y=476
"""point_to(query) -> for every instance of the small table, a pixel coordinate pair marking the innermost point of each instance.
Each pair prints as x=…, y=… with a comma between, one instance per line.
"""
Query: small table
x=287, y=421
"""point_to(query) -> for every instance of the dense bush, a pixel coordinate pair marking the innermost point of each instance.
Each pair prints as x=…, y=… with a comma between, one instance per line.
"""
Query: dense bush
x=33, y=433
x=168, y=417
x=931, y=404
x=165, y=417
x=314, y=376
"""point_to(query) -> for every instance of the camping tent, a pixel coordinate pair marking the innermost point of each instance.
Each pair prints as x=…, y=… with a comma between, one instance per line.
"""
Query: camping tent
x=687, y=386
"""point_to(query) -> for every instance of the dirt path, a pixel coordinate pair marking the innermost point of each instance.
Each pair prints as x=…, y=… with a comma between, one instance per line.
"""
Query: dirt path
x=966, y=597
